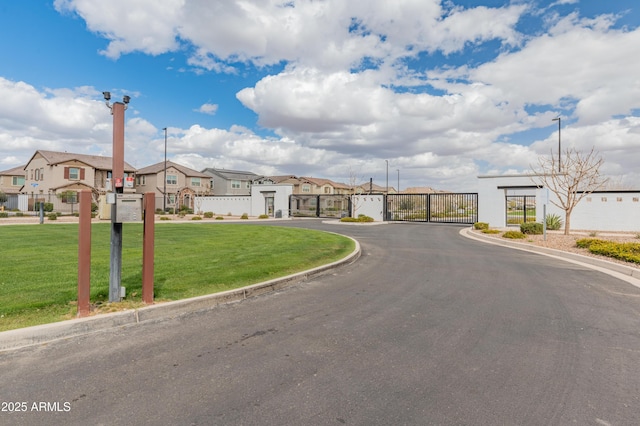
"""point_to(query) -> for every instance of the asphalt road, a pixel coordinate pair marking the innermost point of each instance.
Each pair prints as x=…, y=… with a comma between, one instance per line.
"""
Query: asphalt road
x=427, y=327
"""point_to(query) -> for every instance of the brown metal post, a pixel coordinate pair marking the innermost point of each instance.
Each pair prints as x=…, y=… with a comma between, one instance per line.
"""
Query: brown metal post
x=118, y=145
x=84, y=253
x=148, y=242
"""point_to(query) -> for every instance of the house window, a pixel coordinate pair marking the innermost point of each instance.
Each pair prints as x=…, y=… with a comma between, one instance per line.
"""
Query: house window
x=74, y=173
x=248, y=186
x=235, y=184
x=195, y=181
x=171, y=198
x=17, y=180
x=306, y=188
x=42, y=173
x=37, y=175
x=70, y=197
x=172, y=180
x=141, y=180
x=327, y=190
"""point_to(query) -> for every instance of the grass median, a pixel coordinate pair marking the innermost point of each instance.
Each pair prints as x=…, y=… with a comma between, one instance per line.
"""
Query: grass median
x=39, y=264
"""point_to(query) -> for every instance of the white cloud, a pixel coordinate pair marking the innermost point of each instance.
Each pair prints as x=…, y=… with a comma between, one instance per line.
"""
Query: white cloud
x=209, y=109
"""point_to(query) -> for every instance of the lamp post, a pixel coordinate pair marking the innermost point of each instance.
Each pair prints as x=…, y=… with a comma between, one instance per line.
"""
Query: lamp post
x=387, y=161
x=398, y=170
x=559, y=120
x=164, y=190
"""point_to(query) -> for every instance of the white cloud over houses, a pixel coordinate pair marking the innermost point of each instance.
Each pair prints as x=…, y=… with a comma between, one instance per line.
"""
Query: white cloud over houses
x=441, y=92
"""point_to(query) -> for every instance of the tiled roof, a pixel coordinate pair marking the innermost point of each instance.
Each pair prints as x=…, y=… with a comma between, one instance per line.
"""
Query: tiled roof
x=16, y=171
x=158, y=167
x=231, y=174
x=96, y=161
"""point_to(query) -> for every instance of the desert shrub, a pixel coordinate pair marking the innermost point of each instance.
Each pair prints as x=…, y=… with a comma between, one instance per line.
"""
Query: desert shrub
x=165, y=218
x=490, y=231
x=219, y=218
x=263, y=216
x=244, y=216
x=208, y=215
x=52, y=216
x=361, y=218
x=531, y=228
x=628, y=252
x=480, y=225
x=515, y=235
x=4, y=214
x=196, y=218
x=554, y=222
x=48, y=207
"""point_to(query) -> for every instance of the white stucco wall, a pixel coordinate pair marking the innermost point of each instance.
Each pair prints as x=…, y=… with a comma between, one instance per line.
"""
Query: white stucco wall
x=253, y=205
x=369, y=205
x=599, y=211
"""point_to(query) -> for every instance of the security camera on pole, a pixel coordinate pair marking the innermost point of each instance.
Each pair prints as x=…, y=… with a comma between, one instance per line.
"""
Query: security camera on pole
x=117, y=179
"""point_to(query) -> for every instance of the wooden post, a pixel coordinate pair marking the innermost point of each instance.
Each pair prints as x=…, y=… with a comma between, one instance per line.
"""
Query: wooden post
x=148, y=241
x=84, y=253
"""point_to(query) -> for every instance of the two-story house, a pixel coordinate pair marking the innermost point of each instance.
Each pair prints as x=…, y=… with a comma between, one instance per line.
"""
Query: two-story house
x=11, y=182
x=231, y=182
x=177, y=188
x=55, y=177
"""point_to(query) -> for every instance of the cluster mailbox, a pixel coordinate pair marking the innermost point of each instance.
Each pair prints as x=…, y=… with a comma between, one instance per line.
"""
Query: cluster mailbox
x=128, y=208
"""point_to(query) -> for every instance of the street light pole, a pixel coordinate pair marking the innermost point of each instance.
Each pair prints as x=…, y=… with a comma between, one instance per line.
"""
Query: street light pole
x=398, y=170
x=559, y=120
x=164, y=190
x=387, y=161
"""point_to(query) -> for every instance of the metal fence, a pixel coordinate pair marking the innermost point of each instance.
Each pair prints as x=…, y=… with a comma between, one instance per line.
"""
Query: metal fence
x=441, y=207
x=520, y=209
x=319, y=205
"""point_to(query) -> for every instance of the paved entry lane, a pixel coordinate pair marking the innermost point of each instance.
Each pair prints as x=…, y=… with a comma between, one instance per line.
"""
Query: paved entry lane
x=426, y=328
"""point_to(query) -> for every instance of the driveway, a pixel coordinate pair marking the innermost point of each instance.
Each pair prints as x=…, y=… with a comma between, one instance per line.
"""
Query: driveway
x=427, y=327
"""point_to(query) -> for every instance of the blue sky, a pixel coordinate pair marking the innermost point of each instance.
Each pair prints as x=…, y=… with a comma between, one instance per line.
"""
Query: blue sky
x=443, y=90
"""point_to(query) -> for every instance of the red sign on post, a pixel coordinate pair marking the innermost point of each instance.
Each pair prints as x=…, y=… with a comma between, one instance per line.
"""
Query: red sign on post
x=128, y=183
x=118, y=182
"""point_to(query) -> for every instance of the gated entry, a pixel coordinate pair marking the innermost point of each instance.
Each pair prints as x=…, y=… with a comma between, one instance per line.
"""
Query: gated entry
x=520, y=209
x=441, y=207
x=319, y=205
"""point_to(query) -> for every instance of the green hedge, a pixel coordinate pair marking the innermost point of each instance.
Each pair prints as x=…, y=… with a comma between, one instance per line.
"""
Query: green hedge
x=532, y=228
x=628, y=252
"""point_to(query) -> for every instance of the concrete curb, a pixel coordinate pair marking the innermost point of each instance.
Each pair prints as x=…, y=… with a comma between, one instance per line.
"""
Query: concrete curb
x=23, y=337
x=625, y=273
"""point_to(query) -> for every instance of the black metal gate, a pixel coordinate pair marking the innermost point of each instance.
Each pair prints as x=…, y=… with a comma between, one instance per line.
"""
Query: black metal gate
x=337, y=206
x=440, y=207
x=520, y=209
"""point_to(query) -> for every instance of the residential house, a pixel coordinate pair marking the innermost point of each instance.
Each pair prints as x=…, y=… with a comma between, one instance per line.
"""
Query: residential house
x=11, y=183
x=287, y=179
x=55, y=177
x=372, y=188
x=182, y=184
x=230, y=182
x=319, y=186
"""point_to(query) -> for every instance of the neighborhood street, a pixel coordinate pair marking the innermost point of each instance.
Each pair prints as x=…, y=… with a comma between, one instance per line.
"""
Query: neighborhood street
x=427, y=327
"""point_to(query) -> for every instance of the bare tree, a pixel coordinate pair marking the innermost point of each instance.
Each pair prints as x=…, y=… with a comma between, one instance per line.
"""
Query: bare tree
x=354, y=189
x=577, y=176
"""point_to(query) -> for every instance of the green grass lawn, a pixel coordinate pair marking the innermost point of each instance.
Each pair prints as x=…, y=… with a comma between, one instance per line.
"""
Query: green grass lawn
x=39, y=263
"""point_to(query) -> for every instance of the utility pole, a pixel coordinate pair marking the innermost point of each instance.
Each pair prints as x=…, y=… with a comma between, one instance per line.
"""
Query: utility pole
x=117, y=179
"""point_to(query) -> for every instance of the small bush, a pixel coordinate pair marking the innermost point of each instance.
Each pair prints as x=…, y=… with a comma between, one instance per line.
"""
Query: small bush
x=514, y=235
x=628, y=252
x=196, y=218
x=52, y=216
x=554, y=222
x=531, y=228
x=48, y=207
x=490, y=231
x=361, y=218
x=165, y=218
x=263, y=216
x=208, y=215
x=219, y=218
x=4, y=214
x=480, y=225
x=244, y=216
x=19, y=214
